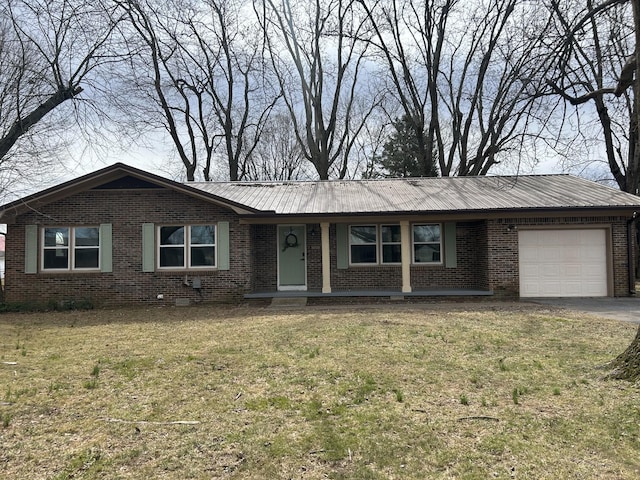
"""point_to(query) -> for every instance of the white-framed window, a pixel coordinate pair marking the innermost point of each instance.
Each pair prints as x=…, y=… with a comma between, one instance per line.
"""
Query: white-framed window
x=70, y=248
x=187, y=246
x=391, y=244
x=363, y=244
x=374, y=244
x=427, y=243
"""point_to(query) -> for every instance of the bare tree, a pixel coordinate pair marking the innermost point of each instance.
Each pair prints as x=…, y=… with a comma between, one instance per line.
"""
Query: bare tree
x=469, y=77
x=207, y=78
x=593, y=53
x=320, y=65
x=49, y=54
x=278, y=156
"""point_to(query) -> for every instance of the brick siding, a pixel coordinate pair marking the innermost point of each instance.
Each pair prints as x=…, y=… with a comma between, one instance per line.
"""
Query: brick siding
x=503, y=250
x=487, y=254
x=127, y=283
x=487, y=259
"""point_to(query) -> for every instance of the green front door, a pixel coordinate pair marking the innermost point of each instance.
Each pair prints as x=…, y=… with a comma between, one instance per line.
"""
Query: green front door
x=292, y=258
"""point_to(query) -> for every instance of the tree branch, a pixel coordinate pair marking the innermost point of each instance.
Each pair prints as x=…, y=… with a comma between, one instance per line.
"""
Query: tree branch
x=21, y=126
x=583, y=98
x=626, y=76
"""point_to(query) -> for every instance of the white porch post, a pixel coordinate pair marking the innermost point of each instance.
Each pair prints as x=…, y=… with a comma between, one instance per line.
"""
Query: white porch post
x=326, y=257
x=405, y=247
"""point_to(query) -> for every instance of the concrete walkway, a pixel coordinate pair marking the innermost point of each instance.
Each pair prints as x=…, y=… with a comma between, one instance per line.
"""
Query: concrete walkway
x=623, y=308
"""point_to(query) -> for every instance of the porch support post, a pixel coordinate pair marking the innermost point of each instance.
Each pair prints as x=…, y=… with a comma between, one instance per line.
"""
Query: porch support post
x=326, y=257
x=405, y=247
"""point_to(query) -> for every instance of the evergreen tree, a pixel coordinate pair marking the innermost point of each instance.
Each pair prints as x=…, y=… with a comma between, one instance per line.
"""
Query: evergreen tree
x=402, y=154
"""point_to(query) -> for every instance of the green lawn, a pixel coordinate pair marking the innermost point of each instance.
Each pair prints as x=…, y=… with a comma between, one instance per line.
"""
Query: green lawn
x=361, y=392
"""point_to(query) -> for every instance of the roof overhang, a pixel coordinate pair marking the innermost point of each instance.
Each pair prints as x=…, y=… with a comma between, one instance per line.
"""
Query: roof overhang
x=458, y=215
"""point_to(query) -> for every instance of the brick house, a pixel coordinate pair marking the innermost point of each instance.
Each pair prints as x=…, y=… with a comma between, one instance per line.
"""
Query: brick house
x=121, y=235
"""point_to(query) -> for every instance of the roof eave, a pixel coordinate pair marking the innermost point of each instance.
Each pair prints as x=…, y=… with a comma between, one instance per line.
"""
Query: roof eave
x=466, y=214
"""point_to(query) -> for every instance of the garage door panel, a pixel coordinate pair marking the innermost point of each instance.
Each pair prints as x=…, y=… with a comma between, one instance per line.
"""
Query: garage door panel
x=550, y=254
x=574, y=255
x=590, y=271
x=563, y=263
x=548, y=289
x=573, y=271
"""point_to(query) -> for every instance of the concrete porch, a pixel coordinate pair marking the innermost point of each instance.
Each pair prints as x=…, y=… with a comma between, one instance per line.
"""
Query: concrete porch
x=435, y=292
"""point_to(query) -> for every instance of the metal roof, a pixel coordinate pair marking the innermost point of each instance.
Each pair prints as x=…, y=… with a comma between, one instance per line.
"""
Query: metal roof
x=436, y=195
x=413, y=195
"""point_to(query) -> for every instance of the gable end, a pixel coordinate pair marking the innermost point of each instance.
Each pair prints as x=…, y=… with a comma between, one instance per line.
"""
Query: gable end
x=126, y=183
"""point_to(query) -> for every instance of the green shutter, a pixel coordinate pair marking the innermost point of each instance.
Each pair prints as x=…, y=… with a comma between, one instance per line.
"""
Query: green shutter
x=106, y=248
x=148, y=247
x=31, y=249
x=450, y=255
x=223, y=245
x=342, y=245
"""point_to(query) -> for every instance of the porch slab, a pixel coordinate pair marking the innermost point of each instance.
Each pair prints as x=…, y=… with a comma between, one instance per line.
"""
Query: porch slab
x=393, y=294
x=288, y=301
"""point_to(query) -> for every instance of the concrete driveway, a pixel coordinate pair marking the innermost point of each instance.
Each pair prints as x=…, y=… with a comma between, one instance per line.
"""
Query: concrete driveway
x=624, y=308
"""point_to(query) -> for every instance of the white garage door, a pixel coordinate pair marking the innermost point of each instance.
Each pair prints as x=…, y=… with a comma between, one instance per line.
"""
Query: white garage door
x=563, y=263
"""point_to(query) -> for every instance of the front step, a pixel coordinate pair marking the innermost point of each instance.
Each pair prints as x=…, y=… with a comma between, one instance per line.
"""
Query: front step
x=288, y=302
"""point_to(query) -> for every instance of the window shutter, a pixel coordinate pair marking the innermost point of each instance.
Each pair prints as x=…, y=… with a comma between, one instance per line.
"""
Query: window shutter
x=451, y=257
x=31, y=249
x=223, y=245
x=106, y=248
x=148, y=247
x=342, y=245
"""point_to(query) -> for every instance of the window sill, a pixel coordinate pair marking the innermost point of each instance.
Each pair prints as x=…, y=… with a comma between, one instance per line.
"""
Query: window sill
x=185, y=270
x=370, y=265
x=70, y=272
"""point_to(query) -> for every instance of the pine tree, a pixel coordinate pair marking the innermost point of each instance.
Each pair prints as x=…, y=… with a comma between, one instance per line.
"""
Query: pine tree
x=403, y=155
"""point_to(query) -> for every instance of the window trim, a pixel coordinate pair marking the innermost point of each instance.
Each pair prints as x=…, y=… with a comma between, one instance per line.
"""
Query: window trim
x=414, y=243
x=383, y=243
x=360, y=264
x=71, y=249
x=187, y=246
x=379, y=244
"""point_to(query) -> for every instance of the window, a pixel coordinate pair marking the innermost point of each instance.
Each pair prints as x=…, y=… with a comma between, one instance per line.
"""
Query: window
x=184, y=246
x=366, y=241
x=391, y=247
x=363, y=244
x=426, y=243
x=71, y=248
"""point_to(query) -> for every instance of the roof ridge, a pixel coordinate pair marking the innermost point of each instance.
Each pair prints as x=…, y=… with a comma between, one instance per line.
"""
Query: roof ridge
x=380, y=179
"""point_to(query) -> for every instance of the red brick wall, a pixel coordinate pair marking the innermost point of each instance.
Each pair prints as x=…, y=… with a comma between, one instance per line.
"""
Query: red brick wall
x=470, y=272
x=126, y=211
x=487, y=254
x=264, y=258
x=502, y=253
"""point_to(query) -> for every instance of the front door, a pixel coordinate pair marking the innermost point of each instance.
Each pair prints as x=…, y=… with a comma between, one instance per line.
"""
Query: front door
x=292, y=258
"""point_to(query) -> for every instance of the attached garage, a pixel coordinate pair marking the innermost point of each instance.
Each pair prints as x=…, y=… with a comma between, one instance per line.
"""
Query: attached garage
x=563, y=263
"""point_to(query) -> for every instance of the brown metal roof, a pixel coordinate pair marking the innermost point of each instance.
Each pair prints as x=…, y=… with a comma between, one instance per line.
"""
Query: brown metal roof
x=412, y=195
x=439, y=195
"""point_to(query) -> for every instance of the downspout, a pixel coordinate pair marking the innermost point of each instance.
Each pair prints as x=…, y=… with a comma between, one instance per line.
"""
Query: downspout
x=630, y=254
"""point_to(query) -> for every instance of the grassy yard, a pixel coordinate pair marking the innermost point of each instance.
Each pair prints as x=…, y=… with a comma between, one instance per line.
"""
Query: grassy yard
x=424, y=391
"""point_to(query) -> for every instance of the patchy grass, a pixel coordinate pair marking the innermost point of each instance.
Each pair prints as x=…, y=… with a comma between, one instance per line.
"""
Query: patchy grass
x=431, y=391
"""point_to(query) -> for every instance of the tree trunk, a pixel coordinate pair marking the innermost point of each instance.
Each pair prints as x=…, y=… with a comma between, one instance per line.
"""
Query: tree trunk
x=626, y=366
